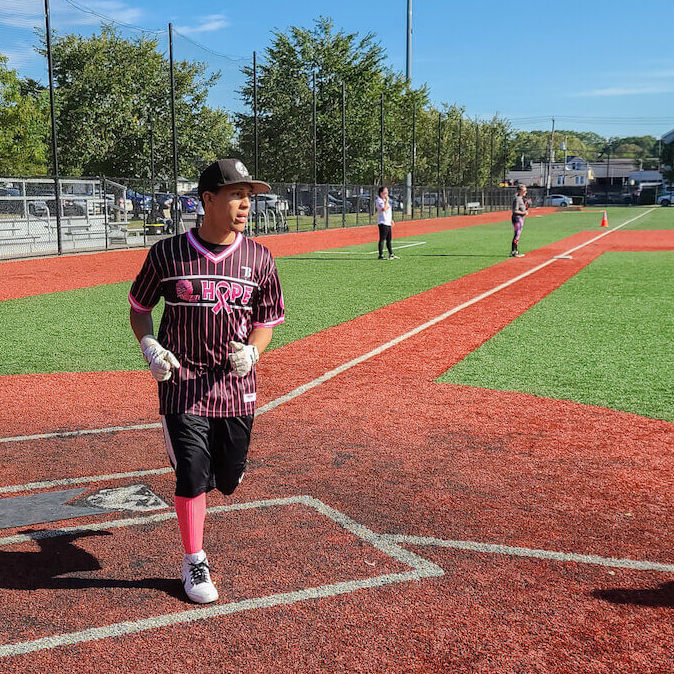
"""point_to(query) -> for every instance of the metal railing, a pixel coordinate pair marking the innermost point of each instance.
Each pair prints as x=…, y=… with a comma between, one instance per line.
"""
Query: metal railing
x=104, y=213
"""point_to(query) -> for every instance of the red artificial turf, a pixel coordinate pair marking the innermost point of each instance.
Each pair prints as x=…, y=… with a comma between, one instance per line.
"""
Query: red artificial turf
x=399, y=453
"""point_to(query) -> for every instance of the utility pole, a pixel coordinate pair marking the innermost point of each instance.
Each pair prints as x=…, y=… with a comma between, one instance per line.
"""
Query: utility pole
x=256, y=142
x=551, y=159
x=343, y=154
x=408, y=75
x=437, y=199
x=381, y=140
x=176, y=204
x=54, y=138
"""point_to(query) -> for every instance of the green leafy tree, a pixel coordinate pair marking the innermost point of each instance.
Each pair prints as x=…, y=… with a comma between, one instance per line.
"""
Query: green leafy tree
x=285, y=107
x=24, y=125
x=112, y=93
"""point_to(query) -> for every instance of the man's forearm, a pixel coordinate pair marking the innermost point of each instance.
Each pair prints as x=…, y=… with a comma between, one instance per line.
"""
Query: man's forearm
x=141, y=324
x=260, y=338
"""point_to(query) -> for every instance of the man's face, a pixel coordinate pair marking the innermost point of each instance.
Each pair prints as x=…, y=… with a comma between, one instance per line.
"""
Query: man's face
x=229, y=207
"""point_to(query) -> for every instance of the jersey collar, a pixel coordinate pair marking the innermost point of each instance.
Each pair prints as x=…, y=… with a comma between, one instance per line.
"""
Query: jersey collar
x=207, y=253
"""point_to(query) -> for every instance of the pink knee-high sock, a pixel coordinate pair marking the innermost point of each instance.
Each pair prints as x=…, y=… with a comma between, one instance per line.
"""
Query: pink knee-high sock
x=191, y=515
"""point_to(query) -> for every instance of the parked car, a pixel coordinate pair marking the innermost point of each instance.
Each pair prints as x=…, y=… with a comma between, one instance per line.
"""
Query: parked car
x=666, y=199
x=10, y=206
x=188, y=203
x=360, y=203
x=141, y=203
x=428, y=199
x=163, y=199
x=269, y=202
x=610, y=198
x=38, y=208
x=557, y=200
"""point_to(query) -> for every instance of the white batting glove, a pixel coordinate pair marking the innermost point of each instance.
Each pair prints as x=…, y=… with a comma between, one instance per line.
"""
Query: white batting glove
x=161, y=360
x=243, y=357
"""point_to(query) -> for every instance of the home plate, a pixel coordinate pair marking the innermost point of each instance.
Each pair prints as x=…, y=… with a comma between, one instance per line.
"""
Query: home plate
x=136, y=497
x=562, y=257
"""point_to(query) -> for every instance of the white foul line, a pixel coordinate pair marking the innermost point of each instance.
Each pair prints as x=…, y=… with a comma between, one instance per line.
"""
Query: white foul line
x=387, y=544
x=514, y=551
x=72, y=434
x=420, y=568
x=30, y=486
x=300, y=390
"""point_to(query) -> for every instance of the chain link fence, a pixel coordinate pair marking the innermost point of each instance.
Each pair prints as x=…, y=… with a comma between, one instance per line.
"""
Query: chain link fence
x=112, y=213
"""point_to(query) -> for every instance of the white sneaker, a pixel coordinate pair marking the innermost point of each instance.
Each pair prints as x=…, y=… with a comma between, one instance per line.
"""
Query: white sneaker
x=197, y=578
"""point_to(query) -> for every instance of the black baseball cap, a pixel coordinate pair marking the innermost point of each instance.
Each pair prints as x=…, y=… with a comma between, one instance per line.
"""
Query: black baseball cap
x=228, y=172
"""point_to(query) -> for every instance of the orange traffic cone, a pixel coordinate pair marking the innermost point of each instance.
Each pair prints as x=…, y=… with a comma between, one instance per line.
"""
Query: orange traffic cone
x=604, y=220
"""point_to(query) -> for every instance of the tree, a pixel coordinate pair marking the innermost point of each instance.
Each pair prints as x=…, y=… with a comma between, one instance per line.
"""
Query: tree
x=111, y=92
x=24, y=125
x=285, y=107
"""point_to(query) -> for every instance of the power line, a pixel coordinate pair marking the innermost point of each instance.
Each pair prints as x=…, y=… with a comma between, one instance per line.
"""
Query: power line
x=87, y=10
x=234, y=59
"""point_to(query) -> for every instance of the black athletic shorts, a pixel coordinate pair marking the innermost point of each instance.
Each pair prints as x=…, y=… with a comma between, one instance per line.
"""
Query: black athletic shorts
x=207, y=452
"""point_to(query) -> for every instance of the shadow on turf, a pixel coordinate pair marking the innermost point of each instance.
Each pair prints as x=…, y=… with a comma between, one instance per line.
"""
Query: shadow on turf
x=660, y=596
x=59, y=556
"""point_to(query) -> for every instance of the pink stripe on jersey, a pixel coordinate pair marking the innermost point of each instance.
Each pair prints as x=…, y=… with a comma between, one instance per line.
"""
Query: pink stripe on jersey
x=139, y=307
x=271, y=324
x=211, y=256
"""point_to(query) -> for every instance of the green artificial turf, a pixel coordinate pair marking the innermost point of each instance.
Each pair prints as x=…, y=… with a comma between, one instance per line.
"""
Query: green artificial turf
x=604, y=338
x=658, y=218
x=87, y=329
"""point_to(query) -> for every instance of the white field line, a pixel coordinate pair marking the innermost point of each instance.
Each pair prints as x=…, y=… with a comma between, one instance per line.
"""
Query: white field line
x=300, y=390
x=387, y=544
x=371, y=252
x=48, y=484
x=71, y=434
x=420, y=568
x=513, y=551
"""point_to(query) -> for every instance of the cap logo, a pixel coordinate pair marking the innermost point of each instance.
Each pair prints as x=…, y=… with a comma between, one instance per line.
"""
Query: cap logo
x=240, y=168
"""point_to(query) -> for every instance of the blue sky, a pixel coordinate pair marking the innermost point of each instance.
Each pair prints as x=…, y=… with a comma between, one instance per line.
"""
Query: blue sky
x=595, y=66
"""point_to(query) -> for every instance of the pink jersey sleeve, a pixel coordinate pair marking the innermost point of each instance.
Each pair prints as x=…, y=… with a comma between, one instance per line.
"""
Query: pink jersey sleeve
x=269, y=310
x=145, y=291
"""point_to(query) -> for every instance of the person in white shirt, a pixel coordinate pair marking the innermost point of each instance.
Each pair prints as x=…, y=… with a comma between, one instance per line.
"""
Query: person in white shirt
x=385, y=223
x=200, y=214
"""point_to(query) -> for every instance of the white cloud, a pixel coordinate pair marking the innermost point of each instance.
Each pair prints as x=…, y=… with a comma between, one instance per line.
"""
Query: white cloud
x=627, y=91
x=20, y=59
x=206, y=24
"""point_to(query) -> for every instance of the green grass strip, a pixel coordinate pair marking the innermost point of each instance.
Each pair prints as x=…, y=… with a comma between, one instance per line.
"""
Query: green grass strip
x=603, y=338
x=87, y=329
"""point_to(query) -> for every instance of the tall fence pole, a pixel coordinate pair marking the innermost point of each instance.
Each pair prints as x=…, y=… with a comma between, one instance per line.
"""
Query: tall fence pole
x=460, y=162
x=414, y=154
x=381, y=139
x=313, y=124
x=176, y=205
x=477, y=153
x=343, y=154
x=491, y=156
x=409, y=197
x=54, y=139
x=437, y=199
x=153, y=203
x=256, y=166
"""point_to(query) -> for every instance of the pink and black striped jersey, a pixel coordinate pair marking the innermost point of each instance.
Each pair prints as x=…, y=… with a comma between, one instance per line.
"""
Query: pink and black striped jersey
x=210, y=299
